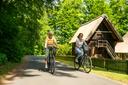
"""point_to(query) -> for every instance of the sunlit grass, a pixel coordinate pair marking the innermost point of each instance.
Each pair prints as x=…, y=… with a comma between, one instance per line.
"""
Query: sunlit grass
x=122, y=77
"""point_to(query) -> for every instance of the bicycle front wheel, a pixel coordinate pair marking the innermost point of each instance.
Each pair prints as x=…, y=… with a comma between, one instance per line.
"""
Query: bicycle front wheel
x=76, y=64
x=87, y=64
x=52, y=66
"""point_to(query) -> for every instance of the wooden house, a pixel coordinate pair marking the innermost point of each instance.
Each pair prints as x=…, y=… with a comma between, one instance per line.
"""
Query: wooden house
x=100, y=36
x=121, y=48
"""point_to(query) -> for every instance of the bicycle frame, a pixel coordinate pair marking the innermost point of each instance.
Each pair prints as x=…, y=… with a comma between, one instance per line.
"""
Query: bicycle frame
x=84, y=62
x=51, y=60
x=82, y=59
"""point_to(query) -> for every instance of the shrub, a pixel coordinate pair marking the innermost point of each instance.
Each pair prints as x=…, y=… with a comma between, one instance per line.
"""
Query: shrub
x=3, y=58
x=38, y=50
x=64, y=49
x=109, y=64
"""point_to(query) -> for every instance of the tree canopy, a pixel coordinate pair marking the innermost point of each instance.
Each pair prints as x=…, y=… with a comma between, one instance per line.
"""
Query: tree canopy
x=24, y=23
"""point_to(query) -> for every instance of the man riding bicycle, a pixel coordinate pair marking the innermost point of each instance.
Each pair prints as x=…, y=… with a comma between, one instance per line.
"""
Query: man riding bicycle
x=50, y=41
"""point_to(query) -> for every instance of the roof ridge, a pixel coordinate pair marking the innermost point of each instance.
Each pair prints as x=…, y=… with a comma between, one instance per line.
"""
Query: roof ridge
x=126, y=35
x=103, y=16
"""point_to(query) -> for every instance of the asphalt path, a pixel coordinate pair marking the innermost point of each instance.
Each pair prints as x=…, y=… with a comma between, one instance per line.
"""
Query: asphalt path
x=34, y=73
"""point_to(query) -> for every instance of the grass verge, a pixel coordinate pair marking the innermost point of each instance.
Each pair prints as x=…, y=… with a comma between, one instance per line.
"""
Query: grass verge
x=122, y=77
x=4, y=69
x=9, y=69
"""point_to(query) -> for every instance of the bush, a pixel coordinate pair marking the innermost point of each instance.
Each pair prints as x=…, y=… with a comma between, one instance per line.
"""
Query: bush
x=38, y=50
x=64, y=49
x=119, y=65
x=3, y=58
x=109, y=64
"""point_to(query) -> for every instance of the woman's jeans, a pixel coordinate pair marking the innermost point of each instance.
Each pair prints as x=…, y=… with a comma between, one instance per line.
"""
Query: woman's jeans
x=79, y=52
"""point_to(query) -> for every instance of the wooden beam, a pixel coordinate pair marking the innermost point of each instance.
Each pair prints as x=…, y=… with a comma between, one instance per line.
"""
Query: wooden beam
x=104, y=31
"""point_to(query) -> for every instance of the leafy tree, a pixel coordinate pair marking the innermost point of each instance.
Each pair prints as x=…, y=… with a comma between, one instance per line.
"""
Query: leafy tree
x=19, y=29
x=120, y=12
x=96, y=8
x=24, y=23
x=66, y=19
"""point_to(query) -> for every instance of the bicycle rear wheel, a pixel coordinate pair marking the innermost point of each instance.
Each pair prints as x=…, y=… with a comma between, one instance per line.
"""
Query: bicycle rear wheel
x=87, y=64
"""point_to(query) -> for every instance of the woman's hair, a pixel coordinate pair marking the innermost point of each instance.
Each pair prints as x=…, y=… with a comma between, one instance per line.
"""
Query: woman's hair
x=50, y=32
x=80, y=35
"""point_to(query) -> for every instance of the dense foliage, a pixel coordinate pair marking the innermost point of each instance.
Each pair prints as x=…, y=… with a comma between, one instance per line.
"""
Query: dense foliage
x=3, y=58
x=24, y=23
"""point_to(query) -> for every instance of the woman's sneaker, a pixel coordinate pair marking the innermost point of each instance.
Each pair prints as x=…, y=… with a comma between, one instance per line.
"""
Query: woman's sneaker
x=76, y=60
x=46, y=66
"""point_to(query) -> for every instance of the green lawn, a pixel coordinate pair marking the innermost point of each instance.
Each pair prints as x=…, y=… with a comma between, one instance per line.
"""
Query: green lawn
x=122, y=77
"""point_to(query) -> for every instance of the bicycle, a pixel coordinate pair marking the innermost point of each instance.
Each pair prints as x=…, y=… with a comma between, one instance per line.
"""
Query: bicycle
x=83, y=61
x=51, y=60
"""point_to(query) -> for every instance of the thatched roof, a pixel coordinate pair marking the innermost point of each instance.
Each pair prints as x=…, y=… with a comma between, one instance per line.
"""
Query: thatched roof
x=123, y=46
x=89, y=28
x=125, y=37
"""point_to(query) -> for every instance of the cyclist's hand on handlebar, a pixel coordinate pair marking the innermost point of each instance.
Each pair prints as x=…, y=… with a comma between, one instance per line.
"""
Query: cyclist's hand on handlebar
x=45, y=49
x=57, y=47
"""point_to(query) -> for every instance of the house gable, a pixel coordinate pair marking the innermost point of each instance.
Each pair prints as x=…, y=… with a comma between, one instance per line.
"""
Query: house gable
x=106, y=27
x=91, y=27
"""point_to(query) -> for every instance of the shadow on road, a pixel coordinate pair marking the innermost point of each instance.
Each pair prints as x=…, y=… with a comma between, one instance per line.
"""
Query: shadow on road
x=36, y=63
x=61, y=69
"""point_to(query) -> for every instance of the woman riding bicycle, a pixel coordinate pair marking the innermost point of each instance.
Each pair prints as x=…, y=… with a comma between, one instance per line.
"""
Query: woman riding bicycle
x=80, y=46
x=50, y=42
x=82, y=58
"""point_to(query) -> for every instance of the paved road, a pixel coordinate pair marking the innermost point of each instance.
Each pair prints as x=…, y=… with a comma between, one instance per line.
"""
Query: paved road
x=33, y=73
